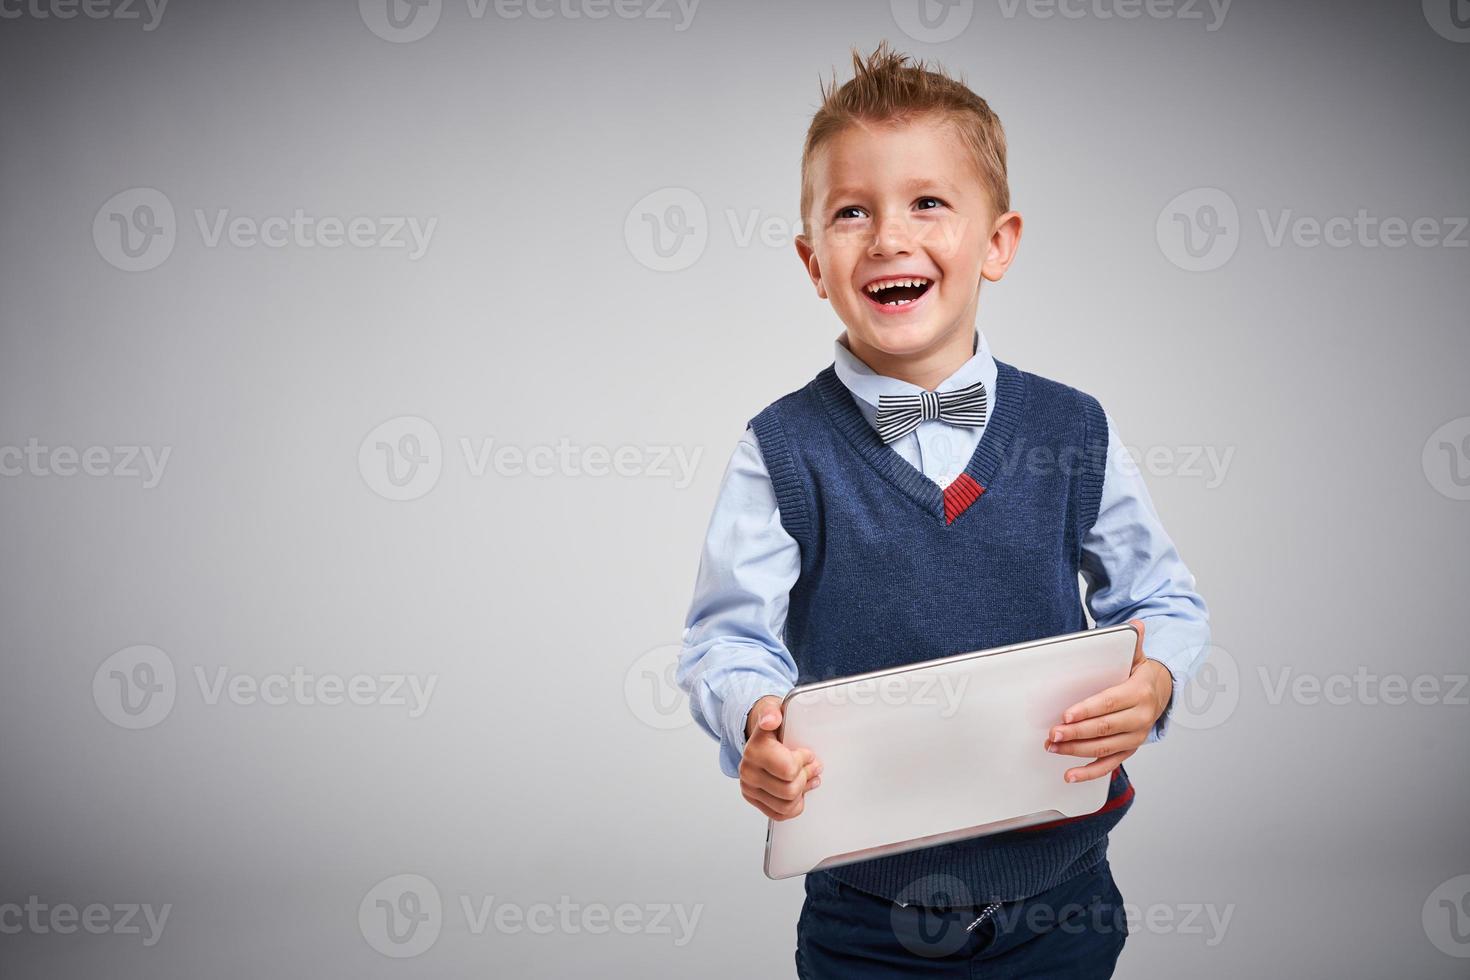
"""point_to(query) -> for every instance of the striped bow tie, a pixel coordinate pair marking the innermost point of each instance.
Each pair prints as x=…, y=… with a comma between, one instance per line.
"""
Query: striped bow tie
x=898, y=415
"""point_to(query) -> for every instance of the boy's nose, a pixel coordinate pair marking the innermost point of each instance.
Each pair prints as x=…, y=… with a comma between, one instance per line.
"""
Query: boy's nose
x=893, y=237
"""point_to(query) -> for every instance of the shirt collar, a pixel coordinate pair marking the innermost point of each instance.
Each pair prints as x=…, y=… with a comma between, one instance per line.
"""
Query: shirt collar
x=866, y=384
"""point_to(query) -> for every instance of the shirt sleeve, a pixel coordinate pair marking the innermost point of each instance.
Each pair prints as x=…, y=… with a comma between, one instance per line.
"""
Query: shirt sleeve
x=1133, y=571
x=733, y=654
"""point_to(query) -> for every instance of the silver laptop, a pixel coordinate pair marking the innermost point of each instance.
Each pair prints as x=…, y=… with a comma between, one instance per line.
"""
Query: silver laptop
x=938, y=751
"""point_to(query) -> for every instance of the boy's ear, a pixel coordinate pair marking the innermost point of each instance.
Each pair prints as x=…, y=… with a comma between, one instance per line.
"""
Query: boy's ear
x=809, y=262
x=1005, y=238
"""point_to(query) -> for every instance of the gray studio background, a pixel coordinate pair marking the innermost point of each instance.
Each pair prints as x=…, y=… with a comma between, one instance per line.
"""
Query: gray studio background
x=541, y=591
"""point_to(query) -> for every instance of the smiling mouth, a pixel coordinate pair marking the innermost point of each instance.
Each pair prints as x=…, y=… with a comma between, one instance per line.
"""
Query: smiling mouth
x=897, y=292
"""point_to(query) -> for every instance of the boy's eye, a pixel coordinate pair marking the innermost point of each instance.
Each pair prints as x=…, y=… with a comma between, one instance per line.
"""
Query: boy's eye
x=928, y=203
x=851, y=211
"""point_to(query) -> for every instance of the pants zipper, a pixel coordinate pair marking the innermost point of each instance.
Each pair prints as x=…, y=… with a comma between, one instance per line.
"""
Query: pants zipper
x=984, y=914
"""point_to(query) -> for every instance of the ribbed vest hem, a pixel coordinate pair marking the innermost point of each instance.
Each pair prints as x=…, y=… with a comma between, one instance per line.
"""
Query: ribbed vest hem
x=987, y=870
x=1094, y=467
x=777, y=455
x=1000, y=867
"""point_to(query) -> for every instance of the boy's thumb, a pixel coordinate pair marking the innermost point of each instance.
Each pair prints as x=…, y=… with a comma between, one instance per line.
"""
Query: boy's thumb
x=768, y=714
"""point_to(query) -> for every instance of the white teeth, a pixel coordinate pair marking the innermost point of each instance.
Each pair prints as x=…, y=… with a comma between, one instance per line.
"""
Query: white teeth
x=877, y=287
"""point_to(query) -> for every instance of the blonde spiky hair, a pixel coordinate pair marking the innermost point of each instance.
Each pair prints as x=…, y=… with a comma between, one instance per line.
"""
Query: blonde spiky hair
x=890, y=87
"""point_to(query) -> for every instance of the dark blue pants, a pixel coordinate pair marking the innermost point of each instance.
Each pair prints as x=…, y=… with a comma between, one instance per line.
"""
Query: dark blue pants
x=1075, y=930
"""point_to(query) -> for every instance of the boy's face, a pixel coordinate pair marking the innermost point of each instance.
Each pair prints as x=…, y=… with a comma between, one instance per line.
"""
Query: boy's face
x=901, y=203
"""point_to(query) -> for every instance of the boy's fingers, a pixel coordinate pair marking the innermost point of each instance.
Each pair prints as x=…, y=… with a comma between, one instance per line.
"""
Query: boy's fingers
x=759, y=805
x=780, y=809
x=1101, y=726
x=785, y=789
x=1101, y=767
x=1117, y=698
x=780, y=761
x=1098, y=747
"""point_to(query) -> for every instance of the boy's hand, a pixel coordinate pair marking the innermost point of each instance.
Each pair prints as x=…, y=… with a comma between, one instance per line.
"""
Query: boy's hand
x=773, y=778
x=1111, y=725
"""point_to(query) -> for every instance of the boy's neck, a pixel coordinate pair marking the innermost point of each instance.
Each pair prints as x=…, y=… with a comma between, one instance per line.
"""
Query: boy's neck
x=927, y=369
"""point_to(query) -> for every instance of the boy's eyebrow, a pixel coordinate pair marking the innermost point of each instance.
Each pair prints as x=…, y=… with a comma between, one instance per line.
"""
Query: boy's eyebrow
x=913, y=185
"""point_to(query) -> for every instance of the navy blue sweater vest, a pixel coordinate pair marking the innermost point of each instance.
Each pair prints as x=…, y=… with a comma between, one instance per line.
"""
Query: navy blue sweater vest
x=895, y=571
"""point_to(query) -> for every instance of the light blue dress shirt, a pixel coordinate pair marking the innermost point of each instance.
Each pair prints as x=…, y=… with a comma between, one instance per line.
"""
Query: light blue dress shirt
x=733, y=652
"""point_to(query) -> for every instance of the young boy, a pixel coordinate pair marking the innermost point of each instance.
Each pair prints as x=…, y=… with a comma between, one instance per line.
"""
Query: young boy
x=895, y=510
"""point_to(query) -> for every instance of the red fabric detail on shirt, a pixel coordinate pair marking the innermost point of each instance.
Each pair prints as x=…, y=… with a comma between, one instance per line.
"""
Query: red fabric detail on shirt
x=959, y=495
